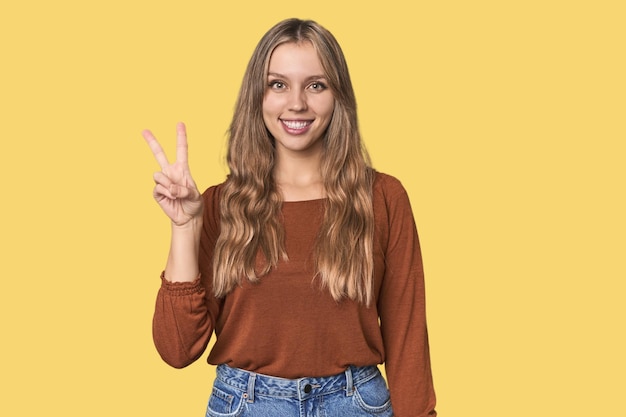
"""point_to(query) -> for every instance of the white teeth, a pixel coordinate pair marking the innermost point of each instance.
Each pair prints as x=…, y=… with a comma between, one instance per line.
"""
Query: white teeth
x=296, y=124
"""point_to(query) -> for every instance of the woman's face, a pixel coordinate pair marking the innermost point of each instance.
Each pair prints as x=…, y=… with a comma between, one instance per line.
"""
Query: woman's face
x=298, y=104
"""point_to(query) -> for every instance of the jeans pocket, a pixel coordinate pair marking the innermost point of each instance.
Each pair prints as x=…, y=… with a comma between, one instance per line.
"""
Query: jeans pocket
x=373, y=396
x=225, y=401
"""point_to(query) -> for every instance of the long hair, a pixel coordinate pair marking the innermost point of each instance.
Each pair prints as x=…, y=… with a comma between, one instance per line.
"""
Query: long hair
x=251, y=240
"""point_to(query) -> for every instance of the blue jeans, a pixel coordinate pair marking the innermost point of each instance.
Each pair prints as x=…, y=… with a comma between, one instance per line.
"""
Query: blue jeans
x=357, y=392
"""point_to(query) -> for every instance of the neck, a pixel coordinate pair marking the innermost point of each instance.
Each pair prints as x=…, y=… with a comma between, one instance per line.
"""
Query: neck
x=299, y=179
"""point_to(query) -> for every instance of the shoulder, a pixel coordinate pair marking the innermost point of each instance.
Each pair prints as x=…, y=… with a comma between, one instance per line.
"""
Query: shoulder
x=387, y=187
x=393, y=215
x=213, y=191
x=211, y=198
x=212, y=194
x=390, y=199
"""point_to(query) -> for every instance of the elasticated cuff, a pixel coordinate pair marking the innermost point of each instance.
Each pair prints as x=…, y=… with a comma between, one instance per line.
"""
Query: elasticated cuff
x=181, y=288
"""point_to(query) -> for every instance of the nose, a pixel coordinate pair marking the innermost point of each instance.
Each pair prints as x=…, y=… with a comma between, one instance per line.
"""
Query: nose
x=297, y=101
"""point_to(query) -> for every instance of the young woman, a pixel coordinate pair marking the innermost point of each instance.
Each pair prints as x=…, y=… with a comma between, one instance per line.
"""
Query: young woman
x=305, y=261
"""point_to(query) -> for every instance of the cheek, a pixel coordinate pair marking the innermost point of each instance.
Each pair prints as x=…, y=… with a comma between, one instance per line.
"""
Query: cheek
x=266, y=106
x=270, y=115
x=267, y=111
x=326, y=102
x=326, y=108
x=273, y=102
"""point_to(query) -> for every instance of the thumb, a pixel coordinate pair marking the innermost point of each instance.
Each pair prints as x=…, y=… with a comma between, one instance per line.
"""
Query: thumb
x=179, y=191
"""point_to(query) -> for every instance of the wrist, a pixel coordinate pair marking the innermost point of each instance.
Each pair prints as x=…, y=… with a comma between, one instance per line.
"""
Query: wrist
x=193, y=224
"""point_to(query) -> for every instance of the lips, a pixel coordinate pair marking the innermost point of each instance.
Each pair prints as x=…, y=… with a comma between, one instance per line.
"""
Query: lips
x=296, y=126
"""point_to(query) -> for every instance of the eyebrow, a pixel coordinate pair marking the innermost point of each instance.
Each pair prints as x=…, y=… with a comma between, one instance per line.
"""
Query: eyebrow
x=312, y=77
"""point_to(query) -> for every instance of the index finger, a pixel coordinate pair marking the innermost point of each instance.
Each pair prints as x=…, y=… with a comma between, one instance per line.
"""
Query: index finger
x=157, y=151
x=181, y=143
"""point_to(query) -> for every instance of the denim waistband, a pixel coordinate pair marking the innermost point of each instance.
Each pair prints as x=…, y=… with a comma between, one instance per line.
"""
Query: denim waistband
x=253, y=383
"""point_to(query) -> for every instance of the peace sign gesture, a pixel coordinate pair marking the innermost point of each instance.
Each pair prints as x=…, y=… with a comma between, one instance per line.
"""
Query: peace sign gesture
x=175, y=190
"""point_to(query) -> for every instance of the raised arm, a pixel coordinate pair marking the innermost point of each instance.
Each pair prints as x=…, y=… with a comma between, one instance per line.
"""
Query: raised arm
x=176, y=192
x=184, y=316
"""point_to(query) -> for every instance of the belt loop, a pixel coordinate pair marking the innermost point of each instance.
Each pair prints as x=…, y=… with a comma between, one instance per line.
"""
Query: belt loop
x=349, y=382
x=251, y=381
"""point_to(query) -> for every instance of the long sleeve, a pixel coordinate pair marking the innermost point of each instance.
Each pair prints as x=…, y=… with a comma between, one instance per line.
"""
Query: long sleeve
x=185, y=313
x=402, y=311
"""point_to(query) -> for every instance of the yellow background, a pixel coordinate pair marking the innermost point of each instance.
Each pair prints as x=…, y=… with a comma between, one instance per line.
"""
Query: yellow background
x=505, y=120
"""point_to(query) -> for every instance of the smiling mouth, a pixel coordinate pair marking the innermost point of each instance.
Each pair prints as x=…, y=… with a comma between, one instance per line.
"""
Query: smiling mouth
x=296, y=124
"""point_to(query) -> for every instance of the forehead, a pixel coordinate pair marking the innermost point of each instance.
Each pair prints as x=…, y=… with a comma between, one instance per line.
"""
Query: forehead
x=293, y=59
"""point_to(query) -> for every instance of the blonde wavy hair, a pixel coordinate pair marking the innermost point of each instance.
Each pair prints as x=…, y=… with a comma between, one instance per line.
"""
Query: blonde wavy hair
x=250, y=203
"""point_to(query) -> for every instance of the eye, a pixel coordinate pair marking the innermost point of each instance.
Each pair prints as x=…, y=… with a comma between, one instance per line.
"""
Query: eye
x=276, y=85
x=318, y=86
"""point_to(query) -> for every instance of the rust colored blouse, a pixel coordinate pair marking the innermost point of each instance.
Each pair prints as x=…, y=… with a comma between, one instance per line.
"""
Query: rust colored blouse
x=286, y=326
